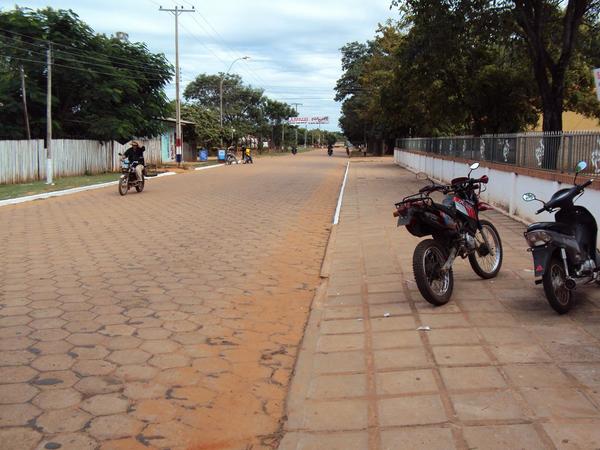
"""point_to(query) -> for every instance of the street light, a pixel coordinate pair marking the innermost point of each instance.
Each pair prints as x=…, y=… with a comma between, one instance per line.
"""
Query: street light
x=221, y=89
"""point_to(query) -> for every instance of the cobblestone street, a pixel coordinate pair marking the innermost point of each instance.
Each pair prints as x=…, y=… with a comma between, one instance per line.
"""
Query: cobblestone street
x=167, y=319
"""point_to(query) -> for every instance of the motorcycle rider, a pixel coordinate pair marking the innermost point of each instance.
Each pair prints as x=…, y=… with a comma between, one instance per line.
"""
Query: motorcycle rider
x=329, y=149
x=248, y=157
x=135, y=154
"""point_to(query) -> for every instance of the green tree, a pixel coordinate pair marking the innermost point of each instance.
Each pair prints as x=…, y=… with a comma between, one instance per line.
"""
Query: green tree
x=245, y=109
x=102, y=87
x=206, y=128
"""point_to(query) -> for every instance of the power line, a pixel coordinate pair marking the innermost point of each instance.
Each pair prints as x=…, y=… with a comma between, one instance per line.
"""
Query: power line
x=78, y=53
x=84, y=69
x=246, y=64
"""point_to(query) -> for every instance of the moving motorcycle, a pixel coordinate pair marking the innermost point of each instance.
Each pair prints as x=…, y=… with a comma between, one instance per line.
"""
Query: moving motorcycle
x=330, y=149
x=129, y=179
x=564, y=251
x=456, y=230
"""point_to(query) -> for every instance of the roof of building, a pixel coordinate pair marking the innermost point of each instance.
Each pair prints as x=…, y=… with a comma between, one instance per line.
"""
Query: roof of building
x=173, y=120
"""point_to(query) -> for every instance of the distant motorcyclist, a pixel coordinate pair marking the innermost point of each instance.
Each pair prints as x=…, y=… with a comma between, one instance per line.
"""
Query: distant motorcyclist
x=329, y=149
x=135, y=155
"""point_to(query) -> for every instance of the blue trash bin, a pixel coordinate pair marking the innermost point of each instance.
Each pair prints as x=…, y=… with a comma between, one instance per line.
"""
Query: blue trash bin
x=221, y=154
x=203, y=155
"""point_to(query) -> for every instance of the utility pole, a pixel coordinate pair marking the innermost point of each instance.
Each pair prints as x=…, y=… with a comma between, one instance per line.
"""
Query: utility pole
x=49, y=167
x=178, y=135
x=24, y=94
x=282, y=135
x=295, y=105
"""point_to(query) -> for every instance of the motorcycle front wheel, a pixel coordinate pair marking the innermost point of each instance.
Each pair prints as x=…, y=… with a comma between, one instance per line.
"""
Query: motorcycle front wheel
x=486, y=260
x=123, y=184
x=559, y=297
x=434, y=285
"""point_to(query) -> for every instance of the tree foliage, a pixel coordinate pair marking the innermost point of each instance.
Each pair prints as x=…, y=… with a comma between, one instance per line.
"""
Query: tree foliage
x=246, y=110
x=102, y=87
x=460, y=67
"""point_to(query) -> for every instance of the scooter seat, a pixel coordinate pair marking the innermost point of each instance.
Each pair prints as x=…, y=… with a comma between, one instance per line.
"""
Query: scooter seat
x=559, y=227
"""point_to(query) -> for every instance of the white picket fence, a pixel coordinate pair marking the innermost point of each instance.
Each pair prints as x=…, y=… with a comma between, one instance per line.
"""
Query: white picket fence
x=23, y=161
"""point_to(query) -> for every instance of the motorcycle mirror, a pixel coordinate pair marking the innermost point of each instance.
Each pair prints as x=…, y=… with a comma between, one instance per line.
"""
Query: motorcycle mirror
x=581, y=166
x=529, y=197
x=474, y=166
x=422, y=176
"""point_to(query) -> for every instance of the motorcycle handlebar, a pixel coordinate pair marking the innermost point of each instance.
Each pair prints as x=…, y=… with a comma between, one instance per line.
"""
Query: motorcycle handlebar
x=541, y=210
x=587, y=183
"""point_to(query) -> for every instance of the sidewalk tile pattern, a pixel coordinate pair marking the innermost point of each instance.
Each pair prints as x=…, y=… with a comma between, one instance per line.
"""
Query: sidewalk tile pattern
x=498, y=369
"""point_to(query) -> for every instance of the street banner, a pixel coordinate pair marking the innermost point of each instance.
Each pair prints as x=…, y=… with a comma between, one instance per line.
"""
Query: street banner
x=597, y=81
x=316, y=120
x=296, y=120
x=319, y=120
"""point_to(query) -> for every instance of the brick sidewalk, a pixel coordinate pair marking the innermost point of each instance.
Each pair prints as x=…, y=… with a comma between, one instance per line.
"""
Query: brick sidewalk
x=498, y=370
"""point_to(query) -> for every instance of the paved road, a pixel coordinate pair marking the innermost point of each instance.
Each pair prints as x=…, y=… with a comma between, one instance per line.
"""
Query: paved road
x=498, y=370
x=167, y=319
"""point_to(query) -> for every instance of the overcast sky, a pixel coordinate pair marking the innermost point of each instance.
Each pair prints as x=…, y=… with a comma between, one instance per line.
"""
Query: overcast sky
x=293, y=45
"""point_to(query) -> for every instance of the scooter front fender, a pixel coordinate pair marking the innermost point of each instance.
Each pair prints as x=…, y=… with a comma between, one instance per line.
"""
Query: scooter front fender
x=541, y=258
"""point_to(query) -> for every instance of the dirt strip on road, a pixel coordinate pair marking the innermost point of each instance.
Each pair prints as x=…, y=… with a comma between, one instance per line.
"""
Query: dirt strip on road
x=166, y=319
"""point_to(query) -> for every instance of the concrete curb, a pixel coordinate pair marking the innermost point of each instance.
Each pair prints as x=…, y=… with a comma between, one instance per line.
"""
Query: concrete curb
x=326, y=264
x=336, y=216
x=209, y=167
x=29, y=198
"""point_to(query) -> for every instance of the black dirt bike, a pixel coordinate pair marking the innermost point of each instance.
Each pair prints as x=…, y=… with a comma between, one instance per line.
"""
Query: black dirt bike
x=128, y=179
x=456, y=229
x=564, y=252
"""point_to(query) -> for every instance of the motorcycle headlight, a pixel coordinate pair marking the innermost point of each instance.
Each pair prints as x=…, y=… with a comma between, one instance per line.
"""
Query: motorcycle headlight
x=537, y=238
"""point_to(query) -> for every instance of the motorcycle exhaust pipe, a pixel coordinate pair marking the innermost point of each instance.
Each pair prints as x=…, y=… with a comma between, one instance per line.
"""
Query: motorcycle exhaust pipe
x=571, y=283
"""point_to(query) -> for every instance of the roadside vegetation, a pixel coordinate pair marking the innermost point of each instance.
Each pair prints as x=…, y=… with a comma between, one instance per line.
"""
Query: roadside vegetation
x=453, y=67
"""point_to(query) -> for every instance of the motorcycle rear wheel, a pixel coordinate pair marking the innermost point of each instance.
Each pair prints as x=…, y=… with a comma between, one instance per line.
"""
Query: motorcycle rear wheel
x=428, y=259
x=557, y=294
x=123, y=185
x=487, y=266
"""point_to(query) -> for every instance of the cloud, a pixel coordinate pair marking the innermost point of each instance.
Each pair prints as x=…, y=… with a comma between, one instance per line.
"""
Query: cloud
x=293, y=45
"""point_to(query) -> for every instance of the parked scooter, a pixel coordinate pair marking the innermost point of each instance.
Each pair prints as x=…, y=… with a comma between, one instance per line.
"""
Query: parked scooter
x=456, y=229
x=231, y=158
x=564, y=251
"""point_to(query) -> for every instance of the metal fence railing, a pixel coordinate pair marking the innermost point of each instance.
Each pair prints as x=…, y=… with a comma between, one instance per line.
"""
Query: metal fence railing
x=559, y=151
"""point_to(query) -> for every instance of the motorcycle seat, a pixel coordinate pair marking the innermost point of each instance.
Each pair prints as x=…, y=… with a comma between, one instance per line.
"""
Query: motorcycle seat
x=559, y=227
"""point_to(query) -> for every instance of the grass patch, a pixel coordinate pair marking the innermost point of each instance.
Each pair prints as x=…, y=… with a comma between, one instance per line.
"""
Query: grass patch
x=39, y=187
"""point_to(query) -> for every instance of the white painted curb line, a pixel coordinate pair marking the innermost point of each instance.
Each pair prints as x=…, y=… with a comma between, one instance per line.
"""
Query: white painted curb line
x=209, y=167
x=336, y=217
x=29, y=198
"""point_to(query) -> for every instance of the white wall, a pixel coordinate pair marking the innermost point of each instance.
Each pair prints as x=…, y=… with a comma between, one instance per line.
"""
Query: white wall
x=504, y=190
